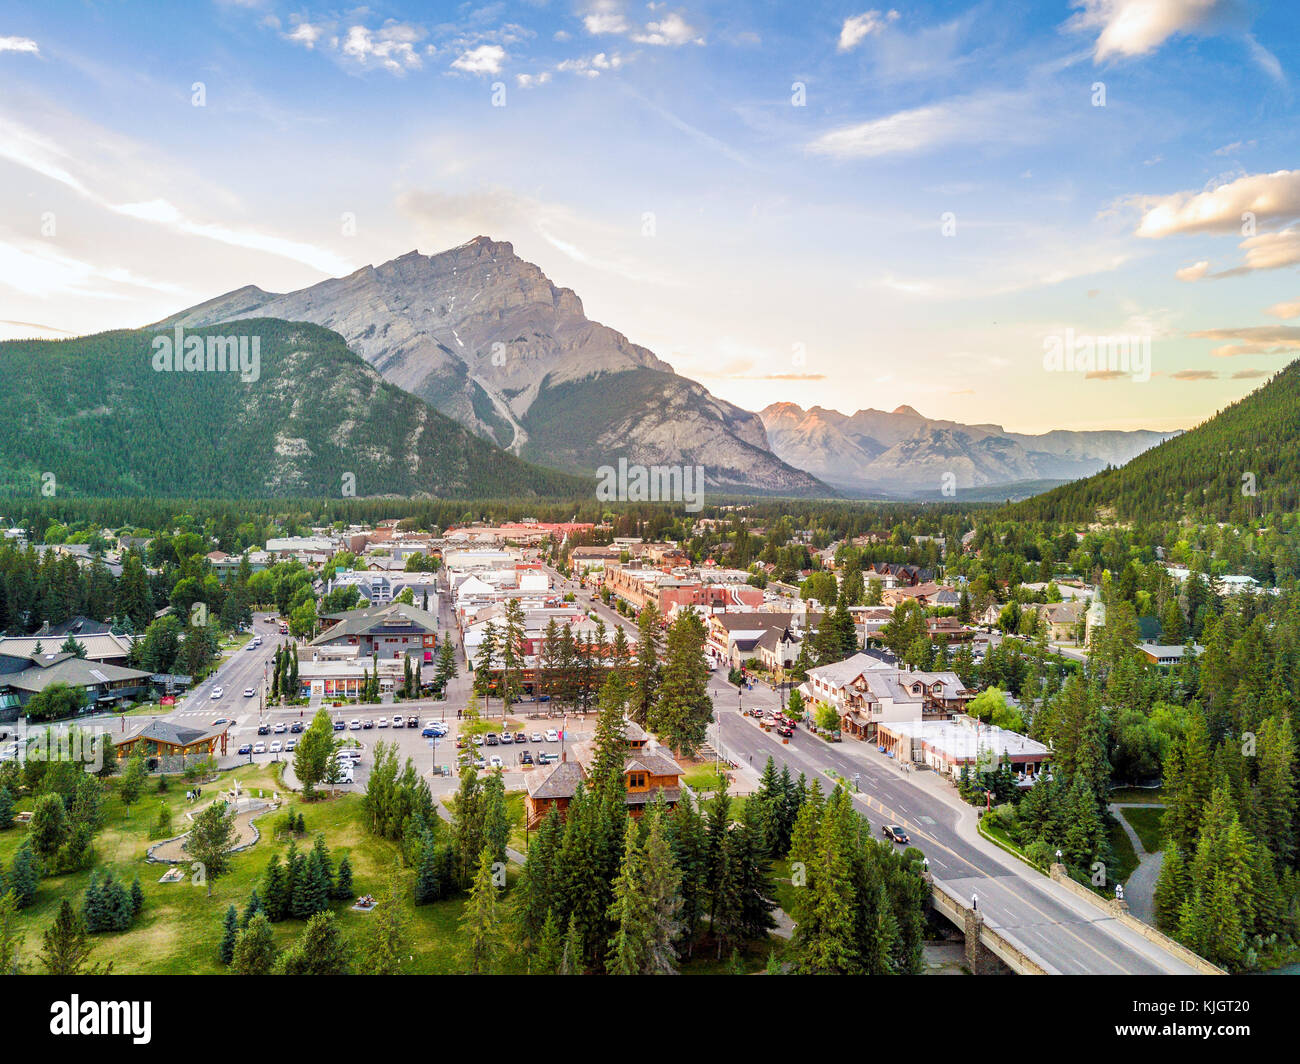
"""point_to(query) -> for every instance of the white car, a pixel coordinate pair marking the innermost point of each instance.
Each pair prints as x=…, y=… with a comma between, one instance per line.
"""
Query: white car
x=251, y=646
x=259, y=748
x=536, y=737
x=290, y=746
x=552, y=736
x=399, y=722
x=348, y=753
x=218, y=692
x=276, y=746
x=249, y=692
x=495, y=762
x=355, y=726
x=382, y=722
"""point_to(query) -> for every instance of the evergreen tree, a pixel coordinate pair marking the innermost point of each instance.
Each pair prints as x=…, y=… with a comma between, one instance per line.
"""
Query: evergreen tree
x=255, y=952
x=229, y=934
x=479, y=923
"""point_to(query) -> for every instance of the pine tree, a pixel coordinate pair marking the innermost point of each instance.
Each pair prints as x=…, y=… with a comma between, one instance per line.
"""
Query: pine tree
x=545, y=959
x=629, y=946
x=343, y=889
x=229, y=934
x=661, y=887
x=255, y=951
x=24, y=875
x=427, y=887
x=252, y=909
x=67, y=945
x=571, y=956
x=137, y=896
x=320, y=951
x=6, y=809
x=93, y=907
x=386, y=942
x=480, y=921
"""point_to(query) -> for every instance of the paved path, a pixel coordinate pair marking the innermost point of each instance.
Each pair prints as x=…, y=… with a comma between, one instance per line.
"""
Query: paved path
x=1140, y=889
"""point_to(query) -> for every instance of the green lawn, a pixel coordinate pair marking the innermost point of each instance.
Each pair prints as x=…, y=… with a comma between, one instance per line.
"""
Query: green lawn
x=180, y=928
x=1147, y=824
x=1126, y=858
x=704, y=778
x=1137, y=794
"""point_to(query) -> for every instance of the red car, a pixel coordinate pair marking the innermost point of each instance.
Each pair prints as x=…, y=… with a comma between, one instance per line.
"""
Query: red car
x=785, y=731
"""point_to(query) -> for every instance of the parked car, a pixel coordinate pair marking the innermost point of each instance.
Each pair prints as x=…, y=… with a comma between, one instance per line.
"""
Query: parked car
x=521, y=738
x=477, y=740
x=217, y=692
x=543, y=758
x=354, y=725
x=291, y=746
x=894, y=833
x=399, y=722
x=280, y=728
x=430, y=733
x=296, y=727
x=525, y=758
x=247, y=748
x=259, y=748
x=552, y=736
x=339, y=725
x=412, y=722
x=536, y=737
x=495, y=762
x=277, y=746
x=264, y=729
x=479, y=762
x=491, y=739
x=382, y=722
x=367, y=724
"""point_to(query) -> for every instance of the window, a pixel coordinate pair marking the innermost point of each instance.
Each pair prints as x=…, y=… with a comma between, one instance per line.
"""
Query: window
x=636, y=779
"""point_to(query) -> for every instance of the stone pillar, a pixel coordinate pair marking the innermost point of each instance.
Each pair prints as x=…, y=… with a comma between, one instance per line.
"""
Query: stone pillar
x=979, y=959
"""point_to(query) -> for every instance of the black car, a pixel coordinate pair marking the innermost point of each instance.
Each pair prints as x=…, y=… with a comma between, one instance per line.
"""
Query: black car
x=367, y=724
x=525, y=758
x=264, y=729
x=894, y=833
x=339, y=725
x=491, y=739
x=296, y=727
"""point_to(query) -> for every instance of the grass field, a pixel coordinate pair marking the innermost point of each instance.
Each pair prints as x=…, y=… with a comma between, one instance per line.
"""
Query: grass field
x=180, y=928
x=1147, y=824
x=1126, y=858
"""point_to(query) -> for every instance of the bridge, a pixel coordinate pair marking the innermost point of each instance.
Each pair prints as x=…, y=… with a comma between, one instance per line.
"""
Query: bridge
x=1030, y=922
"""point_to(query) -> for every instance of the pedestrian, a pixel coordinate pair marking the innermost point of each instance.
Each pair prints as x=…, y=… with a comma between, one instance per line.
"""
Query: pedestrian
x=974, y=903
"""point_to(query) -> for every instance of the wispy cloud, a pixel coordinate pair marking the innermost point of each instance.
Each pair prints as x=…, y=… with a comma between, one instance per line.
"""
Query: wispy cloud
x=857, y=28
x=965, y=120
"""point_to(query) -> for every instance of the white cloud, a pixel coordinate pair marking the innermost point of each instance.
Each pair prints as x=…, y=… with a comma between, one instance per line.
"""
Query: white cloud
x=391, y=47
x=1194, y=272
x=19, y=44
x=485, y=59
x=966, y=120
x=306, y=34
x=859, y=27
x=591, y=67
x=528, y=81
x=1269, y=197
x=1285, y=311
x=1139, y=27
x=671, y=31
x=1254, y=340
x=605, y=16
x=42, y=155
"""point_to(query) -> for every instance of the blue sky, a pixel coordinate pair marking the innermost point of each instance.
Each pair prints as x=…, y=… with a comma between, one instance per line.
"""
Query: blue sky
x=826, y=203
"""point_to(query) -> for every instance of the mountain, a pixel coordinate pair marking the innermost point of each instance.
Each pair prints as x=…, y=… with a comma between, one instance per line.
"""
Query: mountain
x=903, y=453
x=488, y=340
x=1239, y=465
x=96, y=413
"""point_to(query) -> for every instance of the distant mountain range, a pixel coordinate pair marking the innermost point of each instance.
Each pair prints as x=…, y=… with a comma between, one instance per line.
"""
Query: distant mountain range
x=1239, y=465
x=488, y=340
x=903, y=453
x=96, y=416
